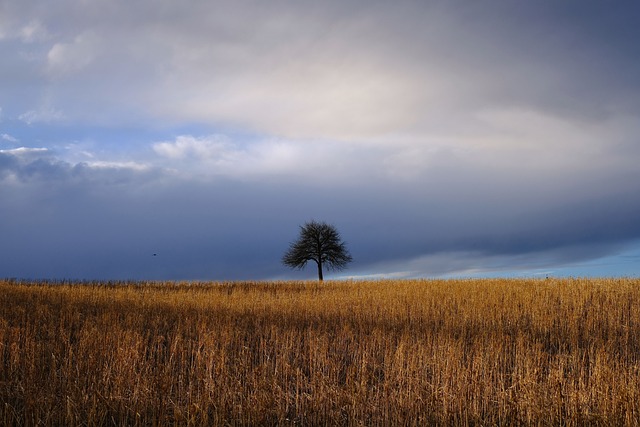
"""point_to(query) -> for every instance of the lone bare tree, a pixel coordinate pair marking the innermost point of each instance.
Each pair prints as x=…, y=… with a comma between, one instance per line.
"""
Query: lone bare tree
x=319, y=242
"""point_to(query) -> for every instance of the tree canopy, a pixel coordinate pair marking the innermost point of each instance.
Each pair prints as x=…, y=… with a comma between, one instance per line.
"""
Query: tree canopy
x=321, y=243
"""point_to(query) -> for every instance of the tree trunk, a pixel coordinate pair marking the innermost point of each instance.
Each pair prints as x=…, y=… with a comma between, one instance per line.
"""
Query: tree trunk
x=320, y=278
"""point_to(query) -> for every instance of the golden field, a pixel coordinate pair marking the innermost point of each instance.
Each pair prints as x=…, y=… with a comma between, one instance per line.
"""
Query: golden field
x=408, y=352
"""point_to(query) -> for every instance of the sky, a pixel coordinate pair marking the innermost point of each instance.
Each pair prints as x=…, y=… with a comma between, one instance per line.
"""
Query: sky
x=441, y=138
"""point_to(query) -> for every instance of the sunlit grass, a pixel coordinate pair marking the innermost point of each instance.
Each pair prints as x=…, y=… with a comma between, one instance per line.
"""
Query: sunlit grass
x=450, y=352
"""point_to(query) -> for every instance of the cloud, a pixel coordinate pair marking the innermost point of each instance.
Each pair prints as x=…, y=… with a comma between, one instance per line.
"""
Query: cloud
x=9, y=138
x=216, y=155
x=26, y=152
x=68, y=58
x=439, y=136
x=192, y=147
x=328, y=71
x=34, y=31
x=117, y=165
x=41, y=166
x=377, y=73
x=46, y=115
x=112, y=215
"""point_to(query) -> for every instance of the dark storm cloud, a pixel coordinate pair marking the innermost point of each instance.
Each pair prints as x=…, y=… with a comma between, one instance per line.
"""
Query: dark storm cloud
x=79, y=221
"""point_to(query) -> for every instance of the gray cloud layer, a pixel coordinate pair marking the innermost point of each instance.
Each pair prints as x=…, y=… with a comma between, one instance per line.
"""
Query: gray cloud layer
x=87, y=221
x=320, y=70
x=438, y=136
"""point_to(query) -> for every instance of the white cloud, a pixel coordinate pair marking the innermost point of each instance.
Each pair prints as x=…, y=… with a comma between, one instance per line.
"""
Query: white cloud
x=303, y=97
x=9, y=138
x=186, y=146
x=511, y=150
x=68, y=58
x=218, y=155
x=316, y=161
x=135, y=166
x=45, y=115
x=25, y=151
x=34, y=31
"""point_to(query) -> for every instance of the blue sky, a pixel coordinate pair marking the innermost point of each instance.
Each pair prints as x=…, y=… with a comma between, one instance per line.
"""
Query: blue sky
x=442, y=139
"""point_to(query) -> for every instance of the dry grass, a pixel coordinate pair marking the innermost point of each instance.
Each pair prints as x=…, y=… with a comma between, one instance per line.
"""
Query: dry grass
x=453, y=352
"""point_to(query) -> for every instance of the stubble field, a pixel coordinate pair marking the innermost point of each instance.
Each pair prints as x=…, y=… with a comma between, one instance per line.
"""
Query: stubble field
x=423, y=352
